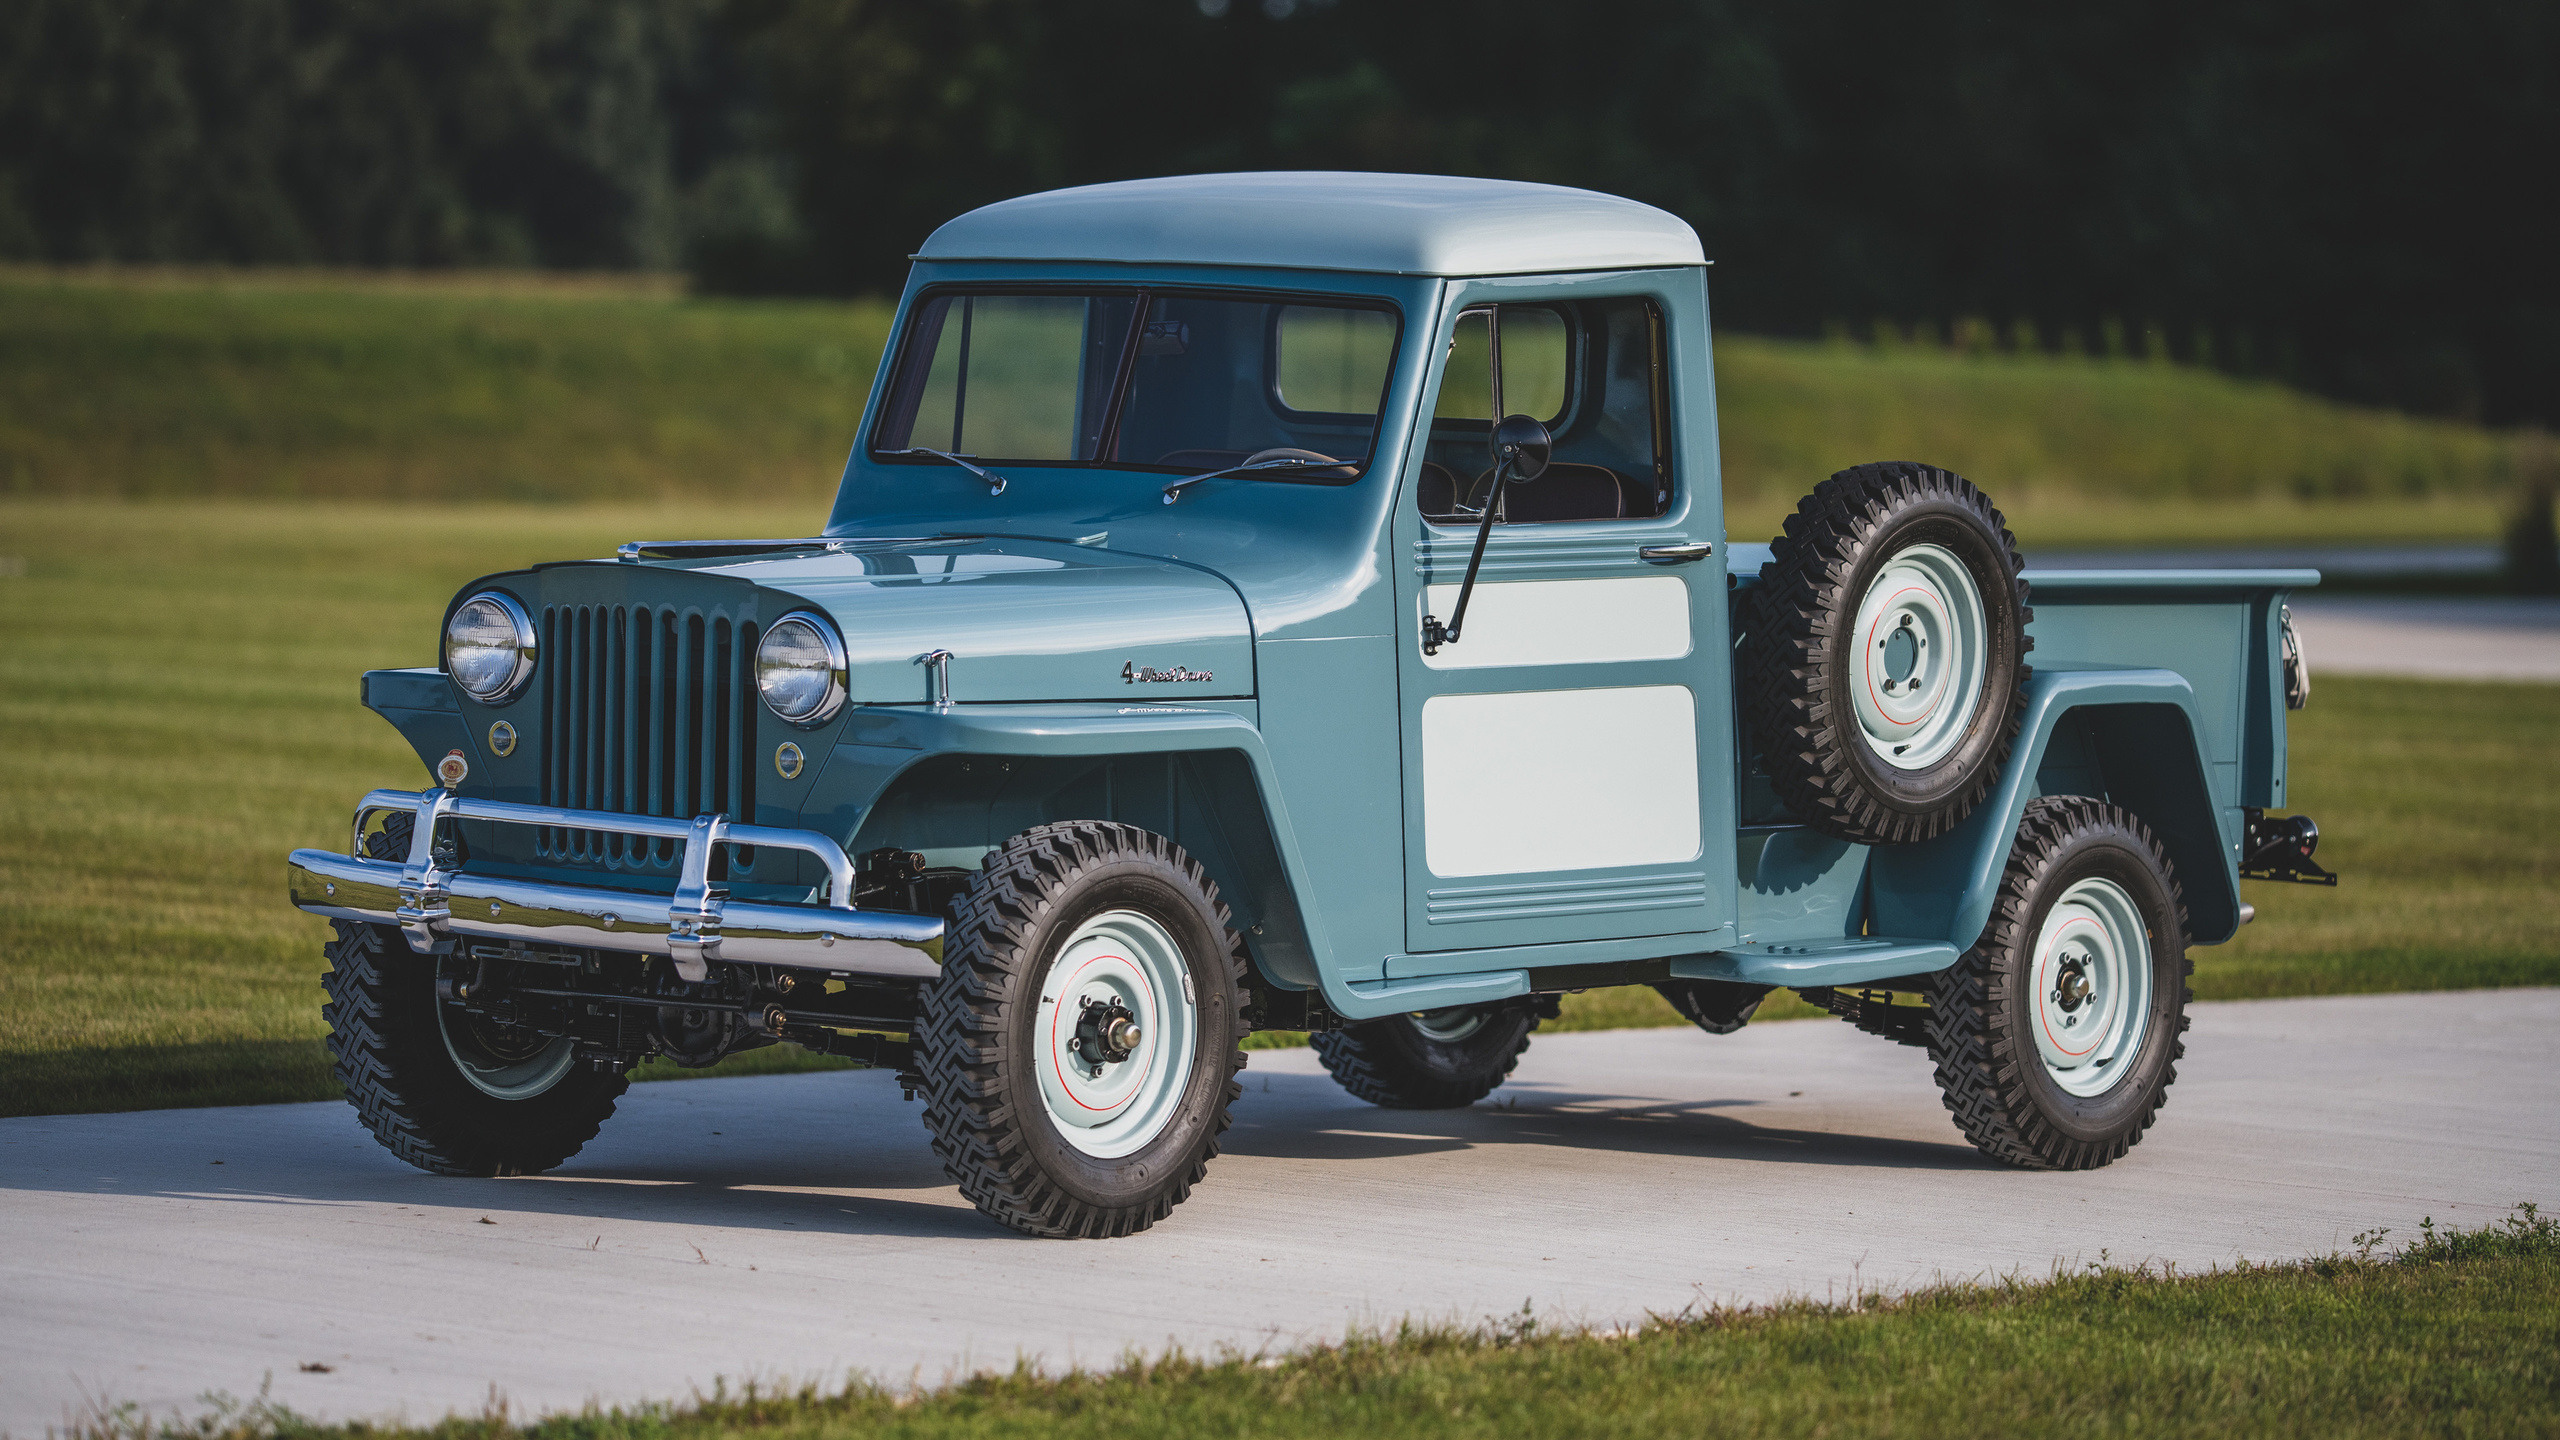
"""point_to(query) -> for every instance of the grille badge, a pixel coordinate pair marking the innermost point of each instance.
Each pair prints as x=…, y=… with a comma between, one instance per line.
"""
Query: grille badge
x=787, y=760
x=502, y=739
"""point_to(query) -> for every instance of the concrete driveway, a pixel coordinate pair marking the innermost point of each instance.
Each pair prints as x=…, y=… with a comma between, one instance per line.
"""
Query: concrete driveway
x=797, y=1227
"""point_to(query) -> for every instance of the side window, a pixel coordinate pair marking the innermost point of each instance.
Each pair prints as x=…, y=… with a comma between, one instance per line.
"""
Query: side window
x=1592, y=371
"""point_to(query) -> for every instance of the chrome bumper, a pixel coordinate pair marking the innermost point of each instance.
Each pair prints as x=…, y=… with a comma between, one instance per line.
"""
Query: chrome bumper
x=697, y=925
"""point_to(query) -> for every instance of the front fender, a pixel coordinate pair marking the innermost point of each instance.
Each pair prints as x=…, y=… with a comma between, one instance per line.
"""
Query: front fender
x=968, y=776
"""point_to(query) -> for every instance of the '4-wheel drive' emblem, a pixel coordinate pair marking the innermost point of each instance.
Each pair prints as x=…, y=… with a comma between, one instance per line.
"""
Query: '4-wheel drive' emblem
x=1134, y=673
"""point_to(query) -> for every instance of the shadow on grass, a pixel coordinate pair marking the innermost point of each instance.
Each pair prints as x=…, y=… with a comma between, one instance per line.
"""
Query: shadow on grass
x=164, y=1077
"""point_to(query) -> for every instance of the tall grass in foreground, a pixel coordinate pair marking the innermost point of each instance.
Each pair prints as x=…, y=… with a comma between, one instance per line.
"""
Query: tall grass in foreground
x=2451, y=1335
x=187, y=385
x=178, y=694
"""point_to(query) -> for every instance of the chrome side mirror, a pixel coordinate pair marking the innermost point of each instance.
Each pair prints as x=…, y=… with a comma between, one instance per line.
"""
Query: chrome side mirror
x=1523, y=445
x=1520, y=450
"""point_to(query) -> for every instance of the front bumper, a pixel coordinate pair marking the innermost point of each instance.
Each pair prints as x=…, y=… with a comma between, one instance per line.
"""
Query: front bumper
x=698, y=925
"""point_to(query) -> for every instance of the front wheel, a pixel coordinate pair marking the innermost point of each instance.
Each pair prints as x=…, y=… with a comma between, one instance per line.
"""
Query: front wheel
x=2058, y=1034
x=1079, y=1048
x=446, y=1089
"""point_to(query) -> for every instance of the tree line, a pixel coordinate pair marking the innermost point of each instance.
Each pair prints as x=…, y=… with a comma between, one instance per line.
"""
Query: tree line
x=2340, y=194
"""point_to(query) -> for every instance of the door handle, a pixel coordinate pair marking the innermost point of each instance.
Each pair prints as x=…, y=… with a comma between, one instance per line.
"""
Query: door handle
x=1676, y=554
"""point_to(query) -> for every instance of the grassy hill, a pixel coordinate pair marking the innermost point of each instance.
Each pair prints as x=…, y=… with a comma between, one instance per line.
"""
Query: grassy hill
x=477, y=386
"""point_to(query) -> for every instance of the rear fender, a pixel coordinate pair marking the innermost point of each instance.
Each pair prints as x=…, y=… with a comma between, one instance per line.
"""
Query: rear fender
x=2129, y=736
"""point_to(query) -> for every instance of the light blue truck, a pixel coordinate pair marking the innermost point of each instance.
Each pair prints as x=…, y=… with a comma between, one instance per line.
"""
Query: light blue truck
x=1299, y=601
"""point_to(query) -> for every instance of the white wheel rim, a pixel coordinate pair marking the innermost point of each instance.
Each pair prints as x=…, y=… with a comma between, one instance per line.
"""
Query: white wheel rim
x=2092, y=981
x=1917, y=669
x=499, y=1077
x=1449, y=1026
x=1118, y=958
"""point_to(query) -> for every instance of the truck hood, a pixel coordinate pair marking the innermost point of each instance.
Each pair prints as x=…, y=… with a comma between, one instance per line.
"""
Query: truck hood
x=1024, y=619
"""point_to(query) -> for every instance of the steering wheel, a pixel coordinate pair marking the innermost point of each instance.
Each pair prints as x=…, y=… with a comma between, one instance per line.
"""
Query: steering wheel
x=1285, y=452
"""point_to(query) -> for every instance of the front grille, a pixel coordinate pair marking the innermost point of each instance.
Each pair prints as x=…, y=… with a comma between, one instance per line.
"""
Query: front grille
x=645, y=711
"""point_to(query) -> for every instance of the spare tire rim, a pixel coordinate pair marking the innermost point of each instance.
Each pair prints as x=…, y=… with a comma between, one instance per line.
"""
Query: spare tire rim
x=502, y=1062
x=1119, y=968
x=2091, y=987
x=1916, y=672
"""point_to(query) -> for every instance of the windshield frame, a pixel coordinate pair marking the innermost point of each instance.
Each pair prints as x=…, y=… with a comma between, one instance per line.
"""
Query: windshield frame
x=903, y=352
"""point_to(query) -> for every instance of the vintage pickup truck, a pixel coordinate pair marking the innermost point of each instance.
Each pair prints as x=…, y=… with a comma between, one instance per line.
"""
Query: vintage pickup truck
x=1298, y=601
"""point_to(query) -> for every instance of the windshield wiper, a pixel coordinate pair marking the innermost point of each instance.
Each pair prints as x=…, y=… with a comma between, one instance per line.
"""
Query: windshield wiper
x=995, y=482
x=1174, y=491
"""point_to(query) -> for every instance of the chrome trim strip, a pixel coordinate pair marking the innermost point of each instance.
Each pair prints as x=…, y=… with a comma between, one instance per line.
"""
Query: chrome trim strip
x=633, y=551
x=699, y=924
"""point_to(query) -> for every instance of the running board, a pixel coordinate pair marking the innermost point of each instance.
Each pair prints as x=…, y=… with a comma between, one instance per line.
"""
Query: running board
x=1849, y=960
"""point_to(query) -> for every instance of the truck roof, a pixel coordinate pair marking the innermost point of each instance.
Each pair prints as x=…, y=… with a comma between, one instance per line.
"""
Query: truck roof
x=1326, y=220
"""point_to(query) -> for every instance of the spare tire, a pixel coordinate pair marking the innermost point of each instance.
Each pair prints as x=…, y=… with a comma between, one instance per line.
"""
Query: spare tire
x=1886, y=661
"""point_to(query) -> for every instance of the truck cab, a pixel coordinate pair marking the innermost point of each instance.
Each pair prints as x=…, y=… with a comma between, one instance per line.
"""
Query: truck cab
x=1298, y=601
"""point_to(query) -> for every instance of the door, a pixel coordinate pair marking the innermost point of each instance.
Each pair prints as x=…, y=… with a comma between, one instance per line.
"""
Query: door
x=1567, y=759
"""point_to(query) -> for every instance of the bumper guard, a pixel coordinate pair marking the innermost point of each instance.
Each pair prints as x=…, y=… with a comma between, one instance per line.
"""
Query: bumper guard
x=697, y=925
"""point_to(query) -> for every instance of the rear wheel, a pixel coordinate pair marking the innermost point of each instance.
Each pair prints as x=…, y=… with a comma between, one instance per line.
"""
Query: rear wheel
x=1079, y=1048
x=2058, y=1034
x=1429, y=1060
x=1886, y=660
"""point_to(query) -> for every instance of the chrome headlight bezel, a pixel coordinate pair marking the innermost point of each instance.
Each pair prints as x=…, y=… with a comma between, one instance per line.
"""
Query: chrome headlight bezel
x=527, y=646
x=832, y=702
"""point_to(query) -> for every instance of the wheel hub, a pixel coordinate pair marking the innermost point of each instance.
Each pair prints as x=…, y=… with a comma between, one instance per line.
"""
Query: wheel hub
x=1106, y=1033
x=1449, y=1026
x=2073, y=987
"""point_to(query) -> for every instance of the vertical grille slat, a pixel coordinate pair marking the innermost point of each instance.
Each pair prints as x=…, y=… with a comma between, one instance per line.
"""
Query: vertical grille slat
x=715, y=734
x=646, y=710
x=742, y=747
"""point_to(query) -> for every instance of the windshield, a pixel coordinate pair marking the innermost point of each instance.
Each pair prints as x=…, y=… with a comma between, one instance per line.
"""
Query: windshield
x=1141, y=380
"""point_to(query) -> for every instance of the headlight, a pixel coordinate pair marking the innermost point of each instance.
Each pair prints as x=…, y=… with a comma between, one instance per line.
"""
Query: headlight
x=489, y=647
x=800, y=669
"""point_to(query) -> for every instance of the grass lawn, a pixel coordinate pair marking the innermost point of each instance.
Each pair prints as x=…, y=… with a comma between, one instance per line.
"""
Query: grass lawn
x=178, y=693
x=2457, y=1335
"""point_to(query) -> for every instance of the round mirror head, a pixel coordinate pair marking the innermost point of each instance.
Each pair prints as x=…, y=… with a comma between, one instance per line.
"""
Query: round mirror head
x=1523, y=444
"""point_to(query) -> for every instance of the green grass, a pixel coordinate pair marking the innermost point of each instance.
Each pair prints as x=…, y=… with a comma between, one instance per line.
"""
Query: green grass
x=2028, y=426
x=330, y=385
x=2457, y=1335
x=178, y=697
x=482, y=387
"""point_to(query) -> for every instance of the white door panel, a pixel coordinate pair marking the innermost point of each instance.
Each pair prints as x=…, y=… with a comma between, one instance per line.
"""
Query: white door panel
x=1559, y=780
x=1566, y=622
